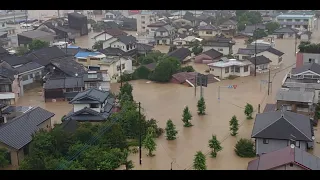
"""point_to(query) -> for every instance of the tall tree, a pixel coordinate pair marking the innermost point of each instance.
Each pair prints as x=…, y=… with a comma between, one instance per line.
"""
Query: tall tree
x=199, y=162
x=126, y=89
x=3, y=158
x=149, y=142
x=38, y=44
x=171, y=130
x=165, y=69
x=234, y=126
x=186, y=117
x=98, y=45
x=197, y=49
x=215, y=146
x=201, y=106
x=248, y=110
x=272, y=26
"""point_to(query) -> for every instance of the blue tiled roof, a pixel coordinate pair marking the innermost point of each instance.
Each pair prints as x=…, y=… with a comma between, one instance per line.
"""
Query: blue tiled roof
x=86, y=54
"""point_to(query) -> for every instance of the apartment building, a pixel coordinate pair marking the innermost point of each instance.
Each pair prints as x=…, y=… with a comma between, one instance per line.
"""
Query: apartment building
x=144, y=19
x=302, y=21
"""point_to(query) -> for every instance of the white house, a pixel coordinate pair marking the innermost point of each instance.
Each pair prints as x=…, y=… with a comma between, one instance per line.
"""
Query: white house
x=109, y=15
x=124, y=42
x=230, y=67
x=186, y=40
x=262, y=64
x=109, y=33
x=269, y=52
x=208, y=31
x=115, y=66
x=164, y=35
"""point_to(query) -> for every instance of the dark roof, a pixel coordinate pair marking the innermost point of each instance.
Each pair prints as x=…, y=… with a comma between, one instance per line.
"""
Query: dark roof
x=127, y=39
x=72, y=51
x=164, y=28
x=151, y=66
x=180, y=53
x=213, y=53
x=181, y=77
x=314, y=67
x=33, y=34
x=283, y=30
x=252, y=28
x=28, y=67
x=112, y=51
x=3, y=51
x=114, y=32
x=87, y=79
x=92, y=95
x=275, y=51
x=269, y=107
x=229, y=22
x=18, y=132
x=45, y=55
x=260, y=60
x=144, y=47
x=217, y=44
x=111, y=24
x=7, y=71
x=251, y=51
x=69, y=66
x=157, y=24
x=282, y=125
x=189, y=16
x=87, y=114
x=64, y=82
x=15, y=60
x=70, y=125
x=77, y=15
x=285, y=156
x=208, y=27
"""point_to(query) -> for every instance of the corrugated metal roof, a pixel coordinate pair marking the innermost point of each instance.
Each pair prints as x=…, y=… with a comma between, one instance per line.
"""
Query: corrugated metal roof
x=295, y=96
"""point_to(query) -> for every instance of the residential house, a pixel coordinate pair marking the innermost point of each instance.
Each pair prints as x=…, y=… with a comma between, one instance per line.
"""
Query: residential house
x=298, y=20
x=278, y=129
x=189, y=78
x=288, y=158
x=78, y=22
x=208, y=31
x=90, y=59
x=305, y=36
x=26, y=37
x=219, y=43
x=95, y=79
x=229, y=27
x=182, y=23
x=298, y=100
x=209, y=56
x=251, y=28
x=191, y=18
x=109, y=33
x=230, y=67
x=182, y=54
x=185, y=30
x=125, y=43
x=144, y=19
x=9, y=91
x=164, y=35
x=115, y=66
x=91, y=105
x=16, y=135
x=180, y=41
x=286, y=32
x=110, y=15
x=144, y=48
x=128, y=24
x=149, y=36
x=262, y=64
x=307, y=56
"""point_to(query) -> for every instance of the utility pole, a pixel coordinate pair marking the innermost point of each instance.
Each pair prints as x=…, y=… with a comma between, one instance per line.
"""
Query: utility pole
x=59, y=13
x=140, y=138
x=201, y=87
x=195, y=86
x=65, y=40
x=255, y=50
x=295, y=45
x=219, y=93
x=120, y=70
x=26, y=13
x=269, y=83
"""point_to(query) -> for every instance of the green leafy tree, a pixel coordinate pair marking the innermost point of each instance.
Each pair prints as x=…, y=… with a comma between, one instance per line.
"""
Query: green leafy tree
x=245, y=148
x=215, y=146
x=124, y=98
x=149, y=142
x=187, y=69
x=38, y=44
x=3, y=158
x=165, y=69
x=241, y=26
x=272, y=26
x=234, y=126
x=172, y=48
x=201, y=106
x=171, y=130
x=199, y=162
x=259, y=33
x=151, y=57
x=126, y=89
x=98, y=45
x=248, y=110
x=141, y=73
x=21, y=50
x=197, y=49
x=186, y=117
x=240, y=12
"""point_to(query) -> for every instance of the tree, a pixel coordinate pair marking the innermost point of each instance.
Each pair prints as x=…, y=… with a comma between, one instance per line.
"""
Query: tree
x=171, y=130
x=141, y=73
x=199, y=162
x=201, y=106
x=215, y=146
x=165, y=69
x=245, y=148
x=259, y=33
x=3, y=158
x=98, y=45
x=248, y=17
x=38, y=44
x=248, y=110
x=154, y=56
x=149, y=142
x=21, y=50
x=197, y=50
x=187, y=69
x=186, y=117
x=241, y=26
x=240, y=12
x=126, y=89
x=172, y=48
x=234, y=126
x=272, y=26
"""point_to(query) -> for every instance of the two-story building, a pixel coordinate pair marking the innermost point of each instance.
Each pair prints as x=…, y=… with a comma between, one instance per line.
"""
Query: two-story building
x=95, y=79
x=275, y=130
x=208, y=31
x=229, y=27
x=308, y=53
x=89, y=59
x=116, y=66
x=125, y=43
x=298, y=20
x=145, y=18
x=9, y=91
x=219, y=43
x=109, y=33
x=230, y=67
x=164, y=35
x=26, y=37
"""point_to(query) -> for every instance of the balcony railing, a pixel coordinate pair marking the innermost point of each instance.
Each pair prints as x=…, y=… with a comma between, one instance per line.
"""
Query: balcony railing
x=293, y=23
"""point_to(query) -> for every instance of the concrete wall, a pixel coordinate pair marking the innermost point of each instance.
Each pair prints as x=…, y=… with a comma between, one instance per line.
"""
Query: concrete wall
x=273, y=145
x=305, y=57
x=221, y=72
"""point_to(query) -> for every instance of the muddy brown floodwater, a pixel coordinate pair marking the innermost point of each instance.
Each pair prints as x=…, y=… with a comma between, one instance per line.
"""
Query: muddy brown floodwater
x=166, y=101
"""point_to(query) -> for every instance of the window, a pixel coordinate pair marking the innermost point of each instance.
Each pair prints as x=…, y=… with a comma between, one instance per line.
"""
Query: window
x=237, y=69
x=208, y=32
x=280, y=59
x=219, y=49
x=245, y=68
x=123, y=66
x=92, y=85
x=26, y=150
x=118, y=68
x=95, y=59
x=143, y=22
x=298, y=144
x=211, y=69
x=5, y=101
x=5, y=88
x=143, y=27
x=92, y=76
x=291, y=164
x=143, y=17
x=265, y=141
x=94, y=105
x=226, y=70
x=31, y=76
x=3, y=24
x=232, y=68
x=127, y=47
x=82, y=60
x=311, y=60
x=24, y=78
x=305, y=20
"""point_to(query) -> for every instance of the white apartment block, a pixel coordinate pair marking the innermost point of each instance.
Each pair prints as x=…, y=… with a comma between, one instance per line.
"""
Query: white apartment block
x=304, y=21
x=144, y=19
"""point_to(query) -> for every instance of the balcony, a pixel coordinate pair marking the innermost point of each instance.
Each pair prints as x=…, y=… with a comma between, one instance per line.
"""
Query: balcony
x=7, y=95
x=293, y=23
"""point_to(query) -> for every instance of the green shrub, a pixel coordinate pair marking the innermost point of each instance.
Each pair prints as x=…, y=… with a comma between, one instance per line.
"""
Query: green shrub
x=187, y=69
x=141, y=73
x=125, y=77
x=245, y=148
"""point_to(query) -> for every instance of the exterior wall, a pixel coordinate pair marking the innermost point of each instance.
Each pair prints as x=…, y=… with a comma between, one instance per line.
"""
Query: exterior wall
x=143, y=20
x=204, y=35
x=46, y=125
x=272, y=57
x=103, y=37
x=221, y=73
x=161, y=41
x=77, y=107
x=121, y=46
x=223, y=50
x=241, y=56
x=288, y=167
x=179, y=42
x=304, y=37
x=200, y=58
x=299, y=60
x=31, y=79
x=273, y=145
x=112, y=68
x=108, y=42
x=303, y=58
x=308, y=111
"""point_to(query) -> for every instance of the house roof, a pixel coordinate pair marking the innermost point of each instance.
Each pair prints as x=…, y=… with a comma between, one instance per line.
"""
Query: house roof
x=87, y=114
x=251, y=51
x=77, y=15
x=180, y=53
x=114, y=32
x=7, y=71
x=229, y=62
x=64, y=82
x=3, y=51
x=260, y=60
x=73, y=51
x=252, y=28
x=70, y=125
x=14, y=60
x=283, y=30
x=85, y=54
x=314, y=67
x=275, y=51
x=285, y=156
x=284, y=125
x=36, y=34
x=189, y=16
x=295, y=96
x=112, y=51
x=207, y=27
x=45, y=55
x=18, y=132
x=269, y=107
x=229, y=22
x=127, y=39
x=213, y=53
x=157, y=24
x=69, y=66
x=91, y=94
x=144, y=47
x=164, y=28
x=151, y=66
x=181, y=77
x=28, y=67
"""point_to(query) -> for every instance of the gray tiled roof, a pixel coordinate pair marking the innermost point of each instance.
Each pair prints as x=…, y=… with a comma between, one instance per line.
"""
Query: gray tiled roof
x=295, y=96
x=28, y=67
x=45, y=55
x=180, y=53
x=92, y=94
x=127, y=39
x=285, y=30
x=18, y=132
x=208, y=27
x=65, y=82
x=87, y=114
x=69, y=66
x=15, y=60
x=314, y=67
x=36, y=34
x=282, y=125
x=260, y=60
